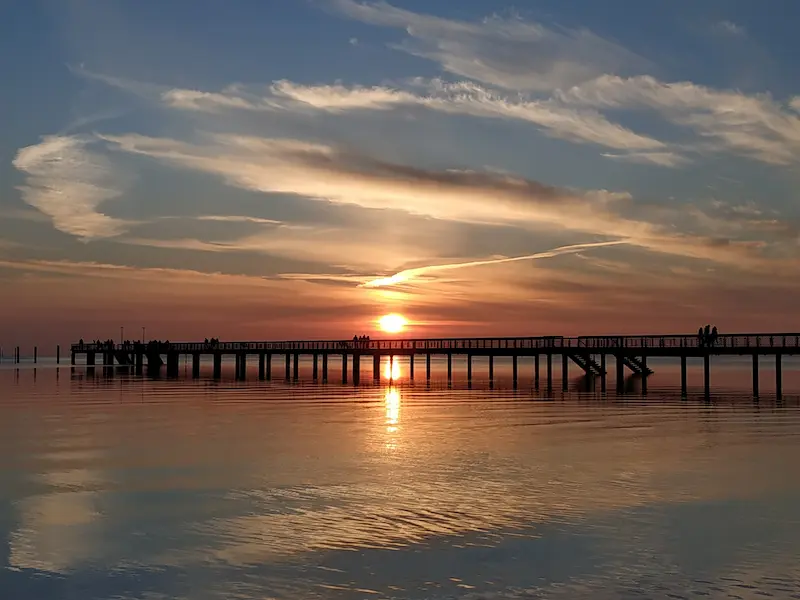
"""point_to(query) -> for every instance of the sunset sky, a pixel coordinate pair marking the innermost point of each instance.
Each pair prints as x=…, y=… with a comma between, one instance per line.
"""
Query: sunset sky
x=272, y=169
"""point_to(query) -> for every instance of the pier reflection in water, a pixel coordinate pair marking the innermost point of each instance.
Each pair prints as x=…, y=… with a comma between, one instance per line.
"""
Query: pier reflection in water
x=128, y=487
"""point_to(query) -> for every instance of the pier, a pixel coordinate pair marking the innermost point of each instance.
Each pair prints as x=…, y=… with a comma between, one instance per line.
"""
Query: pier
x=591, y=355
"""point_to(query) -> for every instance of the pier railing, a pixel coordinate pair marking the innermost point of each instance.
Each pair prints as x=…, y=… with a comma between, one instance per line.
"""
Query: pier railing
x=605, y=343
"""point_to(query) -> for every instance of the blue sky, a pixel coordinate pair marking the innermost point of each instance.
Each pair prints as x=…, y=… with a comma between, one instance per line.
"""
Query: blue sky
x=270, y=167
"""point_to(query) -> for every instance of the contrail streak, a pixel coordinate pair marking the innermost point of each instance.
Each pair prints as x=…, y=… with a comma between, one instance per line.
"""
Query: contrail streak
x=409, y=274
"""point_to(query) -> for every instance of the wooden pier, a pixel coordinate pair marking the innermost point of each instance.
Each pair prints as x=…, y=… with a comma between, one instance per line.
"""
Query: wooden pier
x=590, y=354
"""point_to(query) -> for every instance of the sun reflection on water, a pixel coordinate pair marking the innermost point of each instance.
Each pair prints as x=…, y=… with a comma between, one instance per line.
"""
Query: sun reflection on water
x=392, y=402
x=391, y=369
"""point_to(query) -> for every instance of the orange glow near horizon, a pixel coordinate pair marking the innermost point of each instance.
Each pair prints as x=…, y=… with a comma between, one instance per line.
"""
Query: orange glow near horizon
x=392, y=323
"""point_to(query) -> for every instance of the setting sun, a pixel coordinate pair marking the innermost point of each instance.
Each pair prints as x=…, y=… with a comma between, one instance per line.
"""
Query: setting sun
x=392, y=323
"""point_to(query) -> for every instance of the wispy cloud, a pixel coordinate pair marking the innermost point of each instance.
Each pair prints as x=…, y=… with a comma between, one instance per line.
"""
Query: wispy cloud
x=755, y=126
x=662, y=159
x=327, y=173
x=409, y=275
x=729, y=28
x=583, y=126
x=507, y=52
x=68, y=182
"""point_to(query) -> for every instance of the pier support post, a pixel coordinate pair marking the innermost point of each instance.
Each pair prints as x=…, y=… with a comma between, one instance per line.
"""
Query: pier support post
x=491, y=368
x=376, y=367
x=428, y=367
x=449, y=367
x=58, y=354
x=288, y=366
x=707, y=374
x=89, y=358
x=356, y=369
x=603, y=372
x=469, y=369
x=139, y=359
x=683, y=376
x=72, y=358
x=644, y=375
x=411, y=367
x=564, y=372
x=620, y=374
x=755, y=375
x=196, y=365
x=315, y=370
x=35, y=354
x=217, y=365
x=268, y=366
x=778, y=377
x=549, y=372
x=536, y=371
x=237, y=367
x=514, y=370
x=296, y=366
x=344, y=367
x=172, y=364
x=261, y=366
x=325, y=368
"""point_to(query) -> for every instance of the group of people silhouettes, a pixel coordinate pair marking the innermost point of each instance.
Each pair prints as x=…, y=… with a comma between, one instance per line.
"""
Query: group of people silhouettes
x=707, y=336
x=362, y=341
x=212, y=343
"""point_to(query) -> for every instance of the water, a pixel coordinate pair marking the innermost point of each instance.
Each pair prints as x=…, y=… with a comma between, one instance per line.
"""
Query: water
x=123, y=487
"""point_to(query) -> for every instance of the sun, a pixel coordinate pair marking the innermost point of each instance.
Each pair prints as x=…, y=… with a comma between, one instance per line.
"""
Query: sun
x=392, y=323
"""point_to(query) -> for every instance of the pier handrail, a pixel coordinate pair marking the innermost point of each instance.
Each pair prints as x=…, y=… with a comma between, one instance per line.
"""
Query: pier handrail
x=602, y=342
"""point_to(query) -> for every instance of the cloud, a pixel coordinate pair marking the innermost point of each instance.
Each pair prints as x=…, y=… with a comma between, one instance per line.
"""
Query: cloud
x=68, y=182
x=231, y=97
x=412, y=274
x=729, y=28
x=583, y=126
x=327, y=173
x=794, y=103
x=755, y=126
x=662, y=159
x=338, y=98
x=506, y=52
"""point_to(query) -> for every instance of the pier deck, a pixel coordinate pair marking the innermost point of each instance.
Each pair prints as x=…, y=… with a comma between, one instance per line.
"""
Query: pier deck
x=588, y=353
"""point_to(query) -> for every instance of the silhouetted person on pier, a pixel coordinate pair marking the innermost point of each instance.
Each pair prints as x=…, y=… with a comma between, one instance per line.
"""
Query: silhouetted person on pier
x=700, y=338
x=714, y=336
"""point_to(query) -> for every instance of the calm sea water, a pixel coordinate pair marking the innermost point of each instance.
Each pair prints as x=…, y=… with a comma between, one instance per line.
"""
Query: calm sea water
x=124, y=487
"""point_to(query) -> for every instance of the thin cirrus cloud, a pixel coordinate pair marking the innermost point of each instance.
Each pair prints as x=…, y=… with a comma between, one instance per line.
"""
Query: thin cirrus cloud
x=504, y=52
x=463, y=98
x=67, y=181
x=409, y=275
x=755, y=126
x=329, y=174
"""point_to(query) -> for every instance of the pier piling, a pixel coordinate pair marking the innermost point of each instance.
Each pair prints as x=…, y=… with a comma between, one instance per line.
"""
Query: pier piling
x=755, y=375
x=514, y=370
x=778, y=377
x=325, y=368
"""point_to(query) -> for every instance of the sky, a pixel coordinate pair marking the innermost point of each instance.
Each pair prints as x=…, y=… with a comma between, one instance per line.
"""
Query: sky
x=267, y=169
